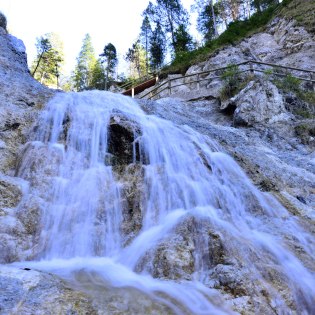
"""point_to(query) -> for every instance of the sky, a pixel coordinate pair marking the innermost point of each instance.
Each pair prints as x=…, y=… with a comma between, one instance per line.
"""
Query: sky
x=115, y=21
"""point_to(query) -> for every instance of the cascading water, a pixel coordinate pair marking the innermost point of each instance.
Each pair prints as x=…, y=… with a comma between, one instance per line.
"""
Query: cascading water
x=182, y=180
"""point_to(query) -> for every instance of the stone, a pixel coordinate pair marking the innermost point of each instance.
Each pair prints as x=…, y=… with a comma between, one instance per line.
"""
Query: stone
x=259, y=102
x=26, y=291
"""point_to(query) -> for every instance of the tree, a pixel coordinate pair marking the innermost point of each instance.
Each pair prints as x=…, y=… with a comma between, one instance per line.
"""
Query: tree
x=207, y=19
x=146, y=32
x=170, y=14
x=109, y=59
x=98, y=76
x=183, y=41
x=136, y=57
x=260, y=5
x=47, y=65
x=157, y=47
x=83, y=73
x=3, y=21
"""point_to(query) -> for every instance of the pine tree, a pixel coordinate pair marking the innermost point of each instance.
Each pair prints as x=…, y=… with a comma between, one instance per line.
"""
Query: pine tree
x=98, y=76
x=146, y=33
x=157, y=47
x=170, y=14
x=207, y=19
x=183, y=41
x=83, y=73
x=109, y=59
x=47, y=65
x=136, y=57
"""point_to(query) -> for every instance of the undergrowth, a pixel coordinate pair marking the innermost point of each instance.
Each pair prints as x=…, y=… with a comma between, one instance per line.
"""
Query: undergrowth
x=235, y=32
x=233, y=81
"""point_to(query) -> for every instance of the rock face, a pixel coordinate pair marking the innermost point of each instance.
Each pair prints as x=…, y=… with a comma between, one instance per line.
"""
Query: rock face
x=21, y=99
x=260, y=102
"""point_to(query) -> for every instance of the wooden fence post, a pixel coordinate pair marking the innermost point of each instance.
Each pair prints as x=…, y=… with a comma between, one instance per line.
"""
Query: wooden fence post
x=198, y=82
x=312, y=78
x=169, y=87
x=251, y=68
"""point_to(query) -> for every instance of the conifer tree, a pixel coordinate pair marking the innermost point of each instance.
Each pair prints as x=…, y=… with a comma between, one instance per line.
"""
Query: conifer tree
x=157, y=47
x=170, y=14
x=48, y=62
x=83, y=73
x=146, y=33
x=207, y=18
x=183, y=41
x=109, y=59
x=136, y=57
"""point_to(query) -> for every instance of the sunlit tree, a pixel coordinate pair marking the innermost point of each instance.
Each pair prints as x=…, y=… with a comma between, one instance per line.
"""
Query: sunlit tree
x=83, y=72
x=47, y=65
x=109, y=60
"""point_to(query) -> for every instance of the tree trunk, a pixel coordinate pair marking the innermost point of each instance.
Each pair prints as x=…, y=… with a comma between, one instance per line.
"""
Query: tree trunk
x=216, y=34
x=40, y=58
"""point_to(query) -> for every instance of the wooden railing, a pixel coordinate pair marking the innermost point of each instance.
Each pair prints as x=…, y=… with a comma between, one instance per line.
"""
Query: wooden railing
x=248, y=66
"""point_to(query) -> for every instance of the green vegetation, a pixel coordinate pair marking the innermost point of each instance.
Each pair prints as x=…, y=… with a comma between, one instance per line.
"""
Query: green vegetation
x=235, y=32
x=3, y=21
x=303, y=11
x=109, y=59
x=49, y=60
x=291, y=84
x=234, y=82
x=304, y=132
x=288, y=83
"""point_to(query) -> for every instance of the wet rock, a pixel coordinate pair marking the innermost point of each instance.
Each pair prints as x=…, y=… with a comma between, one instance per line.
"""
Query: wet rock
x=121, y=136
x=25, y=291
x=132, y=188
x=11, y=190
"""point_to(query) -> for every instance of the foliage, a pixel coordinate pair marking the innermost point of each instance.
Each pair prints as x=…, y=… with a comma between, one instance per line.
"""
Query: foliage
x=83, y=73
x=157, y=47
x=100, y=81
x=232, y=81
x=136, y=57
x=3, y=21
x=183, y=41
x=47, y=65
x=145, y=35
x=169, y=14
x=302, y=11
x=206, y=21
x=109, y=59
x=289, y=83
x=235, y=32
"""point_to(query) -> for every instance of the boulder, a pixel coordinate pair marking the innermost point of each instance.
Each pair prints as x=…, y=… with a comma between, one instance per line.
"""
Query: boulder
x=259, y=102
x=25, y=291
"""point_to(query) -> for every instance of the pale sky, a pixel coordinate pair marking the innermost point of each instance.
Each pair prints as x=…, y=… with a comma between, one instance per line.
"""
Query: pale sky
x=115, y=21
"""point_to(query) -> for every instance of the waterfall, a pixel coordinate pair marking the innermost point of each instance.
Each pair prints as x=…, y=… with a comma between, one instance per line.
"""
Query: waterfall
x=190, y=202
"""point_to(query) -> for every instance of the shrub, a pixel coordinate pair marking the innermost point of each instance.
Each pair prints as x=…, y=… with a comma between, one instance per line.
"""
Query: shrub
x=232, y=82
x=3, y=21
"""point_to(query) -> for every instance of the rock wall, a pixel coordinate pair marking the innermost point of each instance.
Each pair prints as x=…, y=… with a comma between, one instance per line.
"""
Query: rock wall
x=21, y=98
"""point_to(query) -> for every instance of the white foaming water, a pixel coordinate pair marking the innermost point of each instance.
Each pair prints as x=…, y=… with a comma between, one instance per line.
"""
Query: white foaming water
x=185, y=176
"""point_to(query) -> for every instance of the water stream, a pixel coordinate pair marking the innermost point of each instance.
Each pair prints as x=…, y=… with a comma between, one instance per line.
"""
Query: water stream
x=185, y=177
